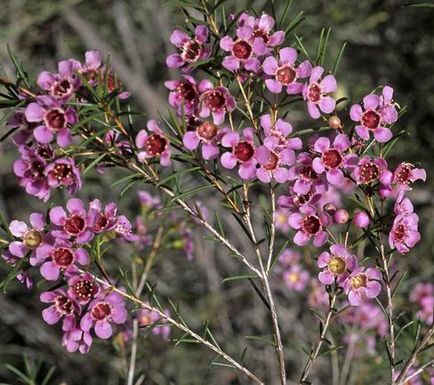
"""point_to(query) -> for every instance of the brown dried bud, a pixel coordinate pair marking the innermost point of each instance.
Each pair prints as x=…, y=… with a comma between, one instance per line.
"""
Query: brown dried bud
x=335, y=122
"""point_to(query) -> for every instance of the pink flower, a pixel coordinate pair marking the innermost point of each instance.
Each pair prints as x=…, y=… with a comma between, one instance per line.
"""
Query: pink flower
x=191, y=49
x=57, y=258
x=82, y=288
x=30, y=238
x=53, y=118
x=25, y=128
x=183, y=95
x=362, y=284
x=22, y=274
x=215, y=101
x=30, y=169
x=62, y=306
x=294, y=201
x=153, y=144
x=373, y=117
x=276, y=133
x=243, y=153
x=404, y=233
x=406, y=174
x=337, y=264
x=209, y=135
x=101, y=220
x=63, y=84
x=296, y=278
x=63, y=172
x=273, y=162
x=334, y=158
x=244, y=50
x=318, y=297
x=73, y=226
x=289, y=257
x=102, y=312
x=153, y=320
x=309, y=225
x=76, y=339
x=262, y=27
x=305, y=176
x=91, y=69
x=371, y=170
x=316, y=93
x=285, y=73
x=281, y=222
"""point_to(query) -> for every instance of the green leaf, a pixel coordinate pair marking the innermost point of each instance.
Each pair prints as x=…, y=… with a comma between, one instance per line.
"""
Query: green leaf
x=239, y=277
x=176, y=174
x=188, y=193
x=322, y=46
x=260, y=339
x=338, y=58
x=295, y=22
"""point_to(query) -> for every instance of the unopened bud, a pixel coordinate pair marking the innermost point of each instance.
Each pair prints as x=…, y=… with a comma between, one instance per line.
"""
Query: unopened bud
x=330, y=208
x=335, y=122
x=361, y=219
x=341, y=216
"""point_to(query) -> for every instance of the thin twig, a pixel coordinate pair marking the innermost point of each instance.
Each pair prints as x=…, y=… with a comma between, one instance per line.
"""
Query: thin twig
x=185, y=329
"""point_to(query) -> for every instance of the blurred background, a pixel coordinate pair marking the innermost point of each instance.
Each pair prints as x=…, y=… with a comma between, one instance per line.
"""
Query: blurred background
x=389, y=42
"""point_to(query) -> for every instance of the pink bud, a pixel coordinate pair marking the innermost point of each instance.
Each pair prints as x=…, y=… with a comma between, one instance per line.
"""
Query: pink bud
x=341, y=216
x=361, y=219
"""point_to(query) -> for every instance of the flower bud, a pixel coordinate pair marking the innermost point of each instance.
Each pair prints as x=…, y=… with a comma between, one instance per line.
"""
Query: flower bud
x=334, y=122
x=361, y=219
x=329, y=208
x=341, y=216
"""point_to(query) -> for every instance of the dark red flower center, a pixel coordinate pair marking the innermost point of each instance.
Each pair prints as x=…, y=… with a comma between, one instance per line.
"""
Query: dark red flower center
x=113, y=83
x=155, y=144
x=192, y=122
x=273, y=161
x=37, y=169
x=404, y=174
x=63, y=305
x=63, y=257
x=332, y=158
x=314, y=93
x=244, y=151
x=74, y=225
x=242, y=50
x=307, y=172
x=215, y=100
x=101, y=222
x=311, y=224
x=45, y=152
x=371, y=119
x=399, y=233
x=301, y=200
x=101, y=311
x=191, y=50
x=369, y=172
x=260, y=33
x=55, y=119
x=62, y=88
x=84, y=289
x=285, y=75
x=186, y=91
x=62, y=172
x=207, y=130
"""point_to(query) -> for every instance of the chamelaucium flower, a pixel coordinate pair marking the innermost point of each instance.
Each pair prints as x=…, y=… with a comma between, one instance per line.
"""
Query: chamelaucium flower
x=236, y=108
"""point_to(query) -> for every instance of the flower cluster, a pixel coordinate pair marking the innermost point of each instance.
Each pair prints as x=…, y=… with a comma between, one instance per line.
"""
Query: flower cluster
x=59, y=245
x=48, y=122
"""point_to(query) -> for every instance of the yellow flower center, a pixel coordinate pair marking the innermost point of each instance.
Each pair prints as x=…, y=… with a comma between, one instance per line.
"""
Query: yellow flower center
x=293, y=277
x=337, y=265
x=32, y=239
x=358, y=281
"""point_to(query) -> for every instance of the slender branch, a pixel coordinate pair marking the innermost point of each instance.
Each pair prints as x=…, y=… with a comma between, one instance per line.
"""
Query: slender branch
x=416, y=372
x=272, y=229
x=133, y=355
x=185, y=329
x=313, y=356
x=411, y=360
x=268, y=293
x=392, y=349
